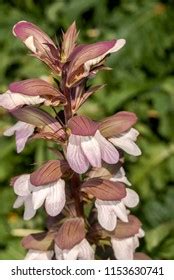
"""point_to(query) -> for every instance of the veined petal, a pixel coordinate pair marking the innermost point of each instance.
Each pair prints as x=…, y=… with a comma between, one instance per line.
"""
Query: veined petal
x=70, y=233
x=85, y=251
x=131, y=228
x=106, y=214
x=118, y=123
x=55, y=200
x=39, y=195
x=82, y=126
x=123, y=248
x=49, y=172
x=75, y=156
x=131, y=199
x=120, y=176
x=33, y=87
x=126, y=142
x=108, y=153
x=23, y=132
x=10, y=100
x=81, y=251
x=22, y=185
x=91, y=150
x=29, y=211
x=23, y=135
x=103, y=189
x=39, y=255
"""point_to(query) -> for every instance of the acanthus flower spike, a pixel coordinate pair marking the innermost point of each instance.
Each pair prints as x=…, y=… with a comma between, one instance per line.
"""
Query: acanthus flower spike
x=88, y=172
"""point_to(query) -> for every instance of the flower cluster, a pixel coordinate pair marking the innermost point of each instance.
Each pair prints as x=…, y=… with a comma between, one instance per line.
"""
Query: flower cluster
x=85, y=191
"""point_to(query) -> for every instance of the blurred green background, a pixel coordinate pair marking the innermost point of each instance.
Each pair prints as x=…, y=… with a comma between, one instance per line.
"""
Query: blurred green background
x=142, y=81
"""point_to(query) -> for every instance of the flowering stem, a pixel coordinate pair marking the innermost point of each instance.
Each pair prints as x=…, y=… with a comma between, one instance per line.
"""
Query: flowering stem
x=75, y=185
x=66, y=92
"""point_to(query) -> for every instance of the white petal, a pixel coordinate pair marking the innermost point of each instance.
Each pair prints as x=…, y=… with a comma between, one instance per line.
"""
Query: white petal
x=118, y=45
x=106, y=214
x=55, y=200
x=136, y=242
x=131, y=199
x=75, y=156
x=91, y=150
x=120, y=176
x=39, y=255
x=11, y=130
x=132, y=134
x=126, y=145
x=18, y=202
x=85, y=251
x=141, y=233
x=21, y=185
x=71, y=254
x=29, y=211
x=58, y=253
x=23, y=135
x=29, y=42
x=11, y=100
x=108, y=153
x=126, y=142
x=23, y=132
x=121, y=212
x=39, y=195
x=123, y=248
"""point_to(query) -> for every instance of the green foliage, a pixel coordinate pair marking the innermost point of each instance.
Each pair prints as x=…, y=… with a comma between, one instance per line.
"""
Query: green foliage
x=142, y=81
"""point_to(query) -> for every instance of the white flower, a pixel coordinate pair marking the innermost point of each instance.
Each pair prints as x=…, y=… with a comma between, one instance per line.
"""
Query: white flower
x=109, y=211
x=86, y=145
x=124, y=249
x=39, y=255
x=126, y=142
x=84, y=151
x=81, y=251
x=23, y=131
x=53, y=194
